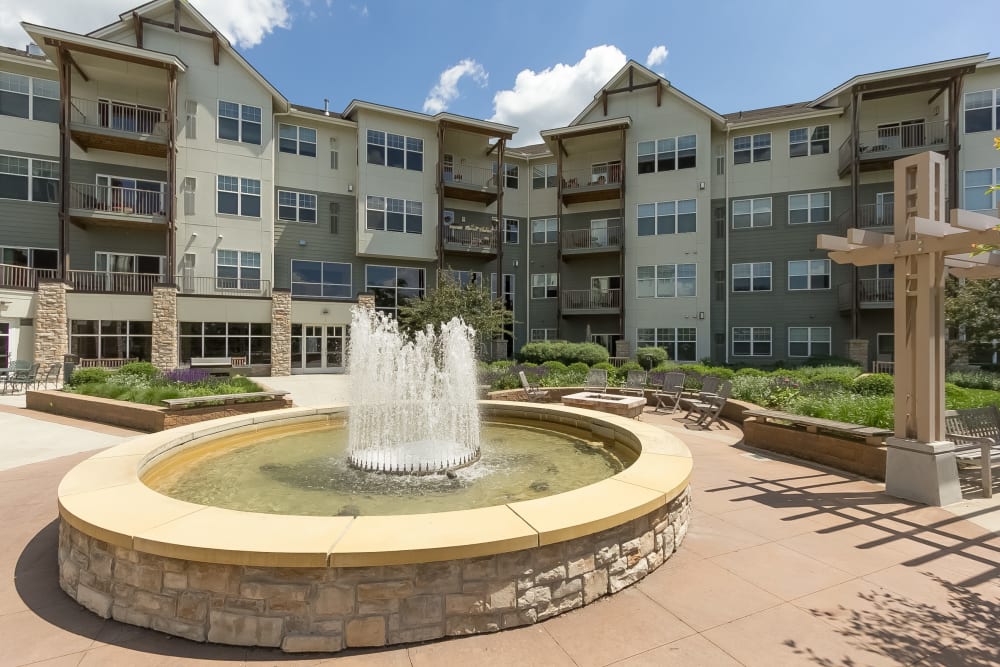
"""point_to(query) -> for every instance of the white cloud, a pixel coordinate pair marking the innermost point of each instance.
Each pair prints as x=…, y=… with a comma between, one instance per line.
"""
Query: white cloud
x=446, y=90
x=554, y=96
x=656, y=56
x=244, y=22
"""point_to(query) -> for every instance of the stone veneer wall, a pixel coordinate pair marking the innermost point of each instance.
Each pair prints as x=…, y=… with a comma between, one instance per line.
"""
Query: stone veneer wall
x=165, y=327
x=51, y=324
x=328, y=609
x=857, y=351
x=281, y=332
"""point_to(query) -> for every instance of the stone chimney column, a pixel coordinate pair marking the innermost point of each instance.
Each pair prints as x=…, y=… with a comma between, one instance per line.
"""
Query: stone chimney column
x=165, y=326
x=281, y=332
x=51, y=322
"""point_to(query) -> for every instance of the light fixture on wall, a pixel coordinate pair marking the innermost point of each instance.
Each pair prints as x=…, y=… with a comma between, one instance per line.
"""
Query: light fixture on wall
x=194, y=235
x=302, y=242
x=219, y=237
x=701, y=185
x=350, y=188
x=4, y=305
x=701, y=315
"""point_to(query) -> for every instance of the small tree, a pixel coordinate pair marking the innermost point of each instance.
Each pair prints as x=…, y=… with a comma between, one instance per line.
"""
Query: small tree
x=473, y=303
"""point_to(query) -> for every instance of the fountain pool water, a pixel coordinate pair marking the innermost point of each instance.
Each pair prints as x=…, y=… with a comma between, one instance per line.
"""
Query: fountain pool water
x=413, y=401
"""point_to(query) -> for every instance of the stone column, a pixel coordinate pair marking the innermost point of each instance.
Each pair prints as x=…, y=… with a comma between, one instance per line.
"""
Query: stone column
x=165, y=326
x=857, y=351
x=51, y=322
x=281, y=332
x=366, y=300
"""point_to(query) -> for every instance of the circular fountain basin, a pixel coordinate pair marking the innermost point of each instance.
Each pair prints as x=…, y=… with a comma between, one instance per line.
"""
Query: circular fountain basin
x=323, y=583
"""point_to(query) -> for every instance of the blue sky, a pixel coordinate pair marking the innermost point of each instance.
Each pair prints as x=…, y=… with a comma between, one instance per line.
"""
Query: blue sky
x=728, y=55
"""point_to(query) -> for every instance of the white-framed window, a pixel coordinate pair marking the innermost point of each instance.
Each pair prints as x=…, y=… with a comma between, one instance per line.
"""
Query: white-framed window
x=395, y=150
x=296, y=206
x=238, y=196
x=809, y=341
x=544, y=285
x=809, y=274
x=752, y=148
x=543, y=176
x=297, y=140
x=508, y=289
x=542, y=334
x=544, y=231
x=804, y=141
x=111, y=339
x=982, y=111
x=328, y=280
x=35, y=258
x=226, y=339
x=751, y=341
x=666, y=281
x=239, y=122
x=681, y=343
x=511, y=231
x=975, y=195
x=237, y=269
x=510, y=175
x=393, y=286
x=752, y=277
x=29, y=179
x=750, y=213
x=466, y=278
x=668, y=154
x=394, y=215
x=29, y=97
x=668, y=217
x=809, y=207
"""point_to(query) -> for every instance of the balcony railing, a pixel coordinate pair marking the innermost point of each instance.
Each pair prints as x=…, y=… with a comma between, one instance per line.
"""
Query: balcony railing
x=476, y=177
x=894, y=141
x=134, y=119
x=884, y=367
x=875, y=291
x=607, y=238
x=869, y=216
x=113, y=282
x=23, y=277
x=591, y=299
x=115, y=199
x=213, y=286
x=477, y=240
x=595, y=177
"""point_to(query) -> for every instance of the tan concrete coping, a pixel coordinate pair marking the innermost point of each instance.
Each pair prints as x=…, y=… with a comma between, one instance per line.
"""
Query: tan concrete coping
x=104, y=497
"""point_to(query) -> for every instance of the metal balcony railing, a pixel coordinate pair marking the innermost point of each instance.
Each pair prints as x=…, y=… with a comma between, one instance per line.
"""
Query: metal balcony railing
x=215, y=286
x=478, y=239
x=875, y=290
x=113, y=282
x=23, y=277
x=135, y=119
x=115, y=199
x=596, y=176
x=592, y=239
x=869, y=216
x=591, y=299
x=884, y=367
x=894, y=140
x=460, y=174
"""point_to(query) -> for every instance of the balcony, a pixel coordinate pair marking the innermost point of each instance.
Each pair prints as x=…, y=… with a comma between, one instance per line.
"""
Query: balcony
x=23, y=277
x=599, y=183
x=873, y=293
x=472, y=241
x=870, y=216
x=223, y=287
x=117, y=126
x=591, y=302
x=110, y=282
x=474, y=184
x=114, y=206
x=879, y=147
x=595, y=241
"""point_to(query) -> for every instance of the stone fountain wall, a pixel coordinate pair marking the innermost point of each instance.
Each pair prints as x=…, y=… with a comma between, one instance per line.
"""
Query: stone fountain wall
x=329, y=609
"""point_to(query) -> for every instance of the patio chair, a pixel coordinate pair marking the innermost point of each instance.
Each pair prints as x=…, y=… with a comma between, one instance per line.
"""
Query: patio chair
x=709, y=385
x=976, y=434
x=635, y=383
x=670, y=392
x=597, y=380
x=25, y=379
x=17, y=366
x=708, y=410
x=532, y=391
x=51, y=374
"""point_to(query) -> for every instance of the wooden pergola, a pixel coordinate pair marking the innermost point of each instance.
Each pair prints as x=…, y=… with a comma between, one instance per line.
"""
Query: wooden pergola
x=925, y=246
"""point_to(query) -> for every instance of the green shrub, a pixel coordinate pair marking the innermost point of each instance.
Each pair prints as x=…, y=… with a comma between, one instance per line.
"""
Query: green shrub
x=974, y=379
x=140, y=368
x=579, y=367
x=829, y=360
x=620, y=374
x=503, y=363
x=874, y=384
x=651, y=357
x=554, y=366
x=751, y=372
x=844, y=406
x=567, y=353
x=603, y=366
x=83, y=376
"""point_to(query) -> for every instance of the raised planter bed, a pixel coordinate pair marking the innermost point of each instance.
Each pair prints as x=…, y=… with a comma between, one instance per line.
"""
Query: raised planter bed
x=137, y=416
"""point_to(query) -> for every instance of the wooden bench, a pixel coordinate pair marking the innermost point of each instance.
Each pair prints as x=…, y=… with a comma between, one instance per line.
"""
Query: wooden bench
x=214, y=365
x=870, y=434
x=976, y=434
x=225, y=399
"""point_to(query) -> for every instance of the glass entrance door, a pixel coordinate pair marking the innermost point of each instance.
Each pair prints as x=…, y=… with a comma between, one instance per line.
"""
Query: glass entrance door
x=318, y=348
x=5, y=345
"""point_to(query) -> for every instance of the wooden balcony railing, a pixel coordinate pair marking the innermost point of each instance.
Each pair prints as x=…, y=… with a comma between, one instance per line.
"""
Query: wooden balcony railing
x=591, y=299
x=23, y=277
x=112, y=282
x=592, y=239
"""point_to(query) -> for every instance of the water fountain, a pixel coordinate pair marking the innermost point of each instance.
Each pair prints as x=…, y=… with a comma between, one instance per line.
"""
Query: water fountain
x=413, y=405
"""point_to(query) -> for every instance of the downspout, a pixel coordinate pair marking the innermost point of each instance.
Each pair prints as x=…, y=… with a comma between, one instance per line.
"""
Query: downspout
x=725, y=170
x=527, y=257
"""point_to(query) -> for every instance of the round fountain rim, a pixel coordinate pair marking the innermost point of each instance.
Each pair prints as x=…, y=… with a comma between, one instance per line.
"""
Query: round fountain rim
x=105, y=498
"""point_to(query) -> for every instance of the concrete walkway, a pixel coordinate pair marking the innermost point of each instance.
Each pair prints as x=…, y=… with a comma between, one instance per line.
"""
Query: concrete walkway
x=785, y=564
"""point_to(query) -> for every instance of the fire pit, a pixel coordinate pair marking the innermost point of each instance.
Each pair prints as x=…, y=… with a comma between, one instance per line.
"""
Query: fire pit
x=623, y=406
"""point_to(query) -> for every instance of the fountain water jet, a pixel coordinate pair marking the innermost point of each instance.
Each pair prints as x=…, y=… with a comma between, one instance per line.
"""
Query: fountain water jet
x=413, y=405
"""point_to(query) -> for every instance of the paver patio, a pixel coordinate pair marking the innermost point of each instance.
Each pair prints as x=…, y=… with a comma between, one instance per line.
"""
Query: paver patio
x=785, y=563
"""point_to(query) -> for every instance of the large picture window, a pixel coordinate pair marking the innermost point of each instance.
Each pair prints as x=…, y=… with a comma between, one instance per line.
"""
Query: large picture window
x=395, y=150
x=681, y=343
x=394, y=215
x=239, y=122
x=226, y=339
x=982, y=111
x=29, y=179
x=28, y=97
x=666, y=280
x=111, y=339
x=667, y=154
x=328, y=280
x=751, y=341
x=393, y=286
x=808, y=341
x=238, y=196
x=668, y=217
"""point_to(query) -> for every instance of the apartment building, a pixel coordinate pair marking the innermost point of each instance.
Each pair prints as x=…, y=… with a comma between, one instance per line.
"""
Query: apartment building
x=161, y=200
